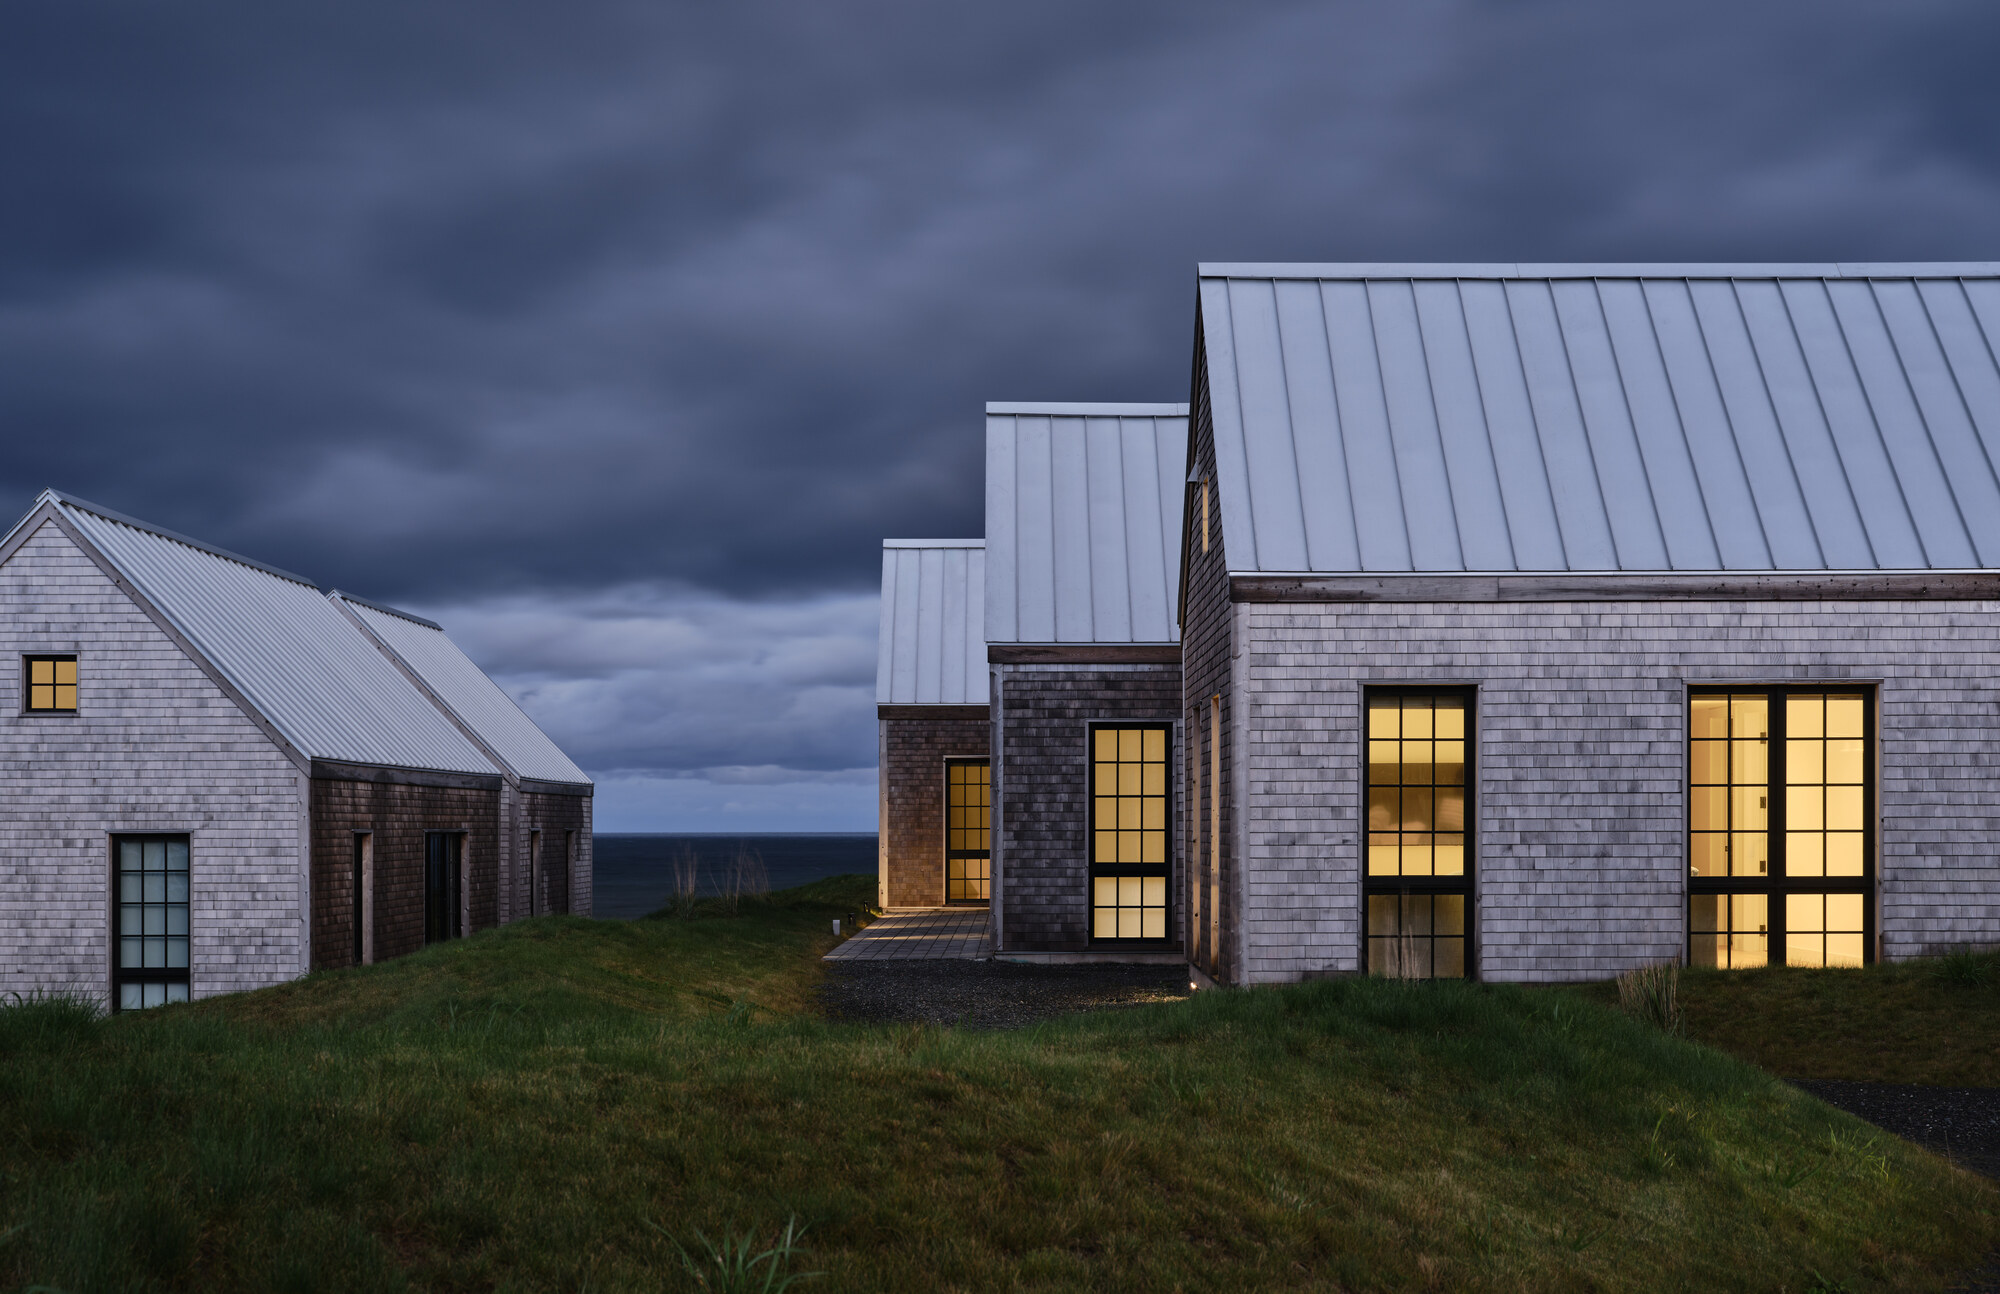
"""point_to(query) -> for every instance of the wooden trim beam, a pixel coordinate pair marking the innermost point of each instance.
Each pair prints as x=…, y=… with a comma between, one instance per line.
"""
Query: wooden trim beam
x=979, y=713
x=334, y=770
x=1083, y=654
x=1719, y=586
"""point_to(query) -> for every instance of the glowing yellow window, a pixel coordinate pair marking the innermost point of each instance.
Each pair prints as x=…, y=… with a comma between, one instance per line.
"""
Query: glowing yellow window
x=1418, y=877
x=968, y=831
x=1129, y=832
x=52, y=684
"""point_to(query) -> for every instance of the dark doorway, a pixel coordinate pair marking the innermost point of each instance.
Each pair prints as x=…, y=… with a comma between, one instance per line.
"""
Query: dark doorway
x=442, y=852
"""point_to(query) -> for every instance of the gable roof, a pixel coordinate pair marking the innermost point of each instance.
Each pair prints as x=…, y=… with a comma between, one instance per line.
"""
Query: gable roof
x=303, y=666
x=1083, y=521
x=929, y=650
x=482, y=709
x=1540, y=418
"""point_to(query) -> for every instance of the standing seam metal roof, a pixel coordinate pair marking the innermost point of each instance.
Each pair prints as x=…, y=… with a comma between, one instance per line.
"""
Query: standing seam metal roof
x=463, y=688
x=1605, y=418
x=929, y=650
x=1083, y=522
x=309, y=671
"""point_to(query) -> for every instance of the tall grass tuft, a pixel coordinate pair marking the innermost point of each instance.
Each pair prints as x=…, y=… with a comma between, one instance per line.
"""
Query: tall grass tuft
x=1966, y=967
x=733, y=1265
x=1653, y=993
x=46, y=1021
x=687, y=882
x=747, y=878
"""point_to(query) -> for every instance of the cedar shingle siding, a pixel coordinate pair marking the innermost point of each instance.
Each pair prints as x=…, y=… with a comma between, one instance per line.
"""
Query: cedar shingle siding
x=155, y=746
x=399, y=815
x=1043, y=790
x=912, y=844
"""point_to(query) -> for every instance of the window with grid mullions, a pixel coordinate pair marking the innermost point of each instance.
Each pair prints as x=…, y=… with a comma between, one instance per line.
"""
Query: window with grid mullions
x=1780, y=826
x=1418, y=886
x=1130, y=853
x=968, y=830
x=149, y=960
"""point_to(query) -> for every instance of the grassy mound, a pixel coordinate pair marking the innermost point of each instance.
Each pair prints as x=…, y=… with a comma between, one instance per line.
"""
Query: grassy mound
x=558, y=1105
x=1934, y=1021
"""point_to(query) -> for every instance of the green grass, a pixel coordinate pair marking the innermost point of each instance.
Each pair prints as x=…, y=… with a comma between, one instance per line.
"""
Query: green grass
x=571, y=1105
x=1933, y=1021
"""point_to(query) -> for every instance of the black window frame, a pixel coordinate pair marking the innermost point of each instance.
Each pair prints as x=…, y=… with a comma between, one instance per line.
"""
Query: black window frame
x=1465, y=884
x=1094, y=869
x=442, y=921
x=1778, y=882
x=953, y=855
x=28, y=662
x=121, y=974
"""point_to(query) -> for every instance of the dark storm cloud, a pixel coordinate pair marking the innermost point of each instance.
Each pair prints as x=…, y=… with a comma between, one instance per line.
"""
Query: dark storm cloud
x=541, y=303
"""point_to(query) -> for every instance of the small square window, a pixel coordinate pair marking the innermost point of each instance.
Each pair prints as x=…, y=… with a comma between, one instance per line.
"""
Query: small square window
x=51, y=684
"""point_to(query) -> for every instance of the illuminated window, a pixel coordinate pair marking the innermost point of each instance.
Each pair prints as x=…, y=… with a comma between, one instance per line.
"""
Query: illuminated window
x=1419, y=866
x=1129, y=816
x=51, y=684
x=150, y=964
x=968, y=830
x=1779, y=858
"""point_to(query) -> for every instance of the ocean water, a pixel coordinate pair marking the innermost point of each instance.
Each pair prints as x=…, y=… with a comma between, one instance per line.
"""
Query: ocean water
x=635, y=873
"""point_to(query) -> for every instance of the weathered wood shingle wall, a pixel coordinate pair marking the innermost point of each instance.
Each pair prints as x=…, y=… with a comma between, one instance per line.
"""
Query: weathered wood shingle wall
x=1042, y=790
x=1210, y=898
x=155, y=747
x=1581, y=862
x=912, y=847
x=399, y=816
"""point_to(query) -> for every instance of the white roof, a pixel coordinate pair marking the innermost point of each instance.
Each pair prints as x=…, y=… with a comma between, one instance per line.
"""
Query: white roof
x=307, y=669
x=930, y=650
x=1604, y=417
x=1083, y=522
x=466, y=693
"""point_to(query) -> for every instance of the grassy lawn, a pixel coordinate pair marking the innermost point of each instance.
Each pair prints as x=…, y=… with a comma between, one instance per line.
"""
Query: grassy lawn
x=554, y=1105
x=1912, y=1022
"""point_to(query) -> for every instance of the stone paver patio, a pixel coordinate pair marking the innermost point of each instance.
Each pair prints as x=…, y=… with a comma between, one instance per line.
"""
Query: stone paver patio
x=930, y=934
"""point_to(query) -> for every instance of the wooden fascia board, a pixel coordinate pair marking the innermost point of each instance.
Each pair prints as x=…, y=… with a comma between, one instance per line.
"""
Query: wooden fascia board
x=959, y=713
x=215, y=674
x=1083, y=653
x=1731, y=586
x=338, y=770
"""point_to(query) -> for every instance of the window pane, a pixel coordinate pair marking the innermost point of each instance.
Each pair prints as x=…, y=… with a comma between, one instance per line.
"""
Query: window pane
x=65, y=673
x=128, y=855
x=1843, y=853
x=1382, y=808
x=1749, y=854
x=1747, y=804
x=1451, y=763
x=1844, y=949
x=1843, y=808
x=1383, y=854
x=1749, y=717
x=1106, y=779
x=1448, y=958
x=1153, y=847
x=1382, y=760
x=1450, y=809
x=1107, y=743
x=1448, y=914
x=1805, y=716
x=1805, y=854
x=1128, y=846
x=1129, y=925
x=1706, y=912
x=1708, y=808
x=65, y=698
x=42, y=672
x=1709, y=854
x=1844, y=716
x=1384, y=719
x=1843, y=761
x=1805, y=808
x=1804, y=761
x=1417, y=720
x=1416, y=855
x=131, y=997
x=1128, y=779
x=1708, y=717
x=177, y=992
x=1105, y=891
x=1128, y=891
x=1155, y=780
x=1152, y=814
x=1106, y=849
x=1844, y=911
x=1155, y=743
x=1805, y=913
x=1129, y=744
x=1153, y=923
x=1417, y=808
x=1749, y=762
x=1449, y=856
x=1708, y=763
x=1449, y=719
x=155, y=854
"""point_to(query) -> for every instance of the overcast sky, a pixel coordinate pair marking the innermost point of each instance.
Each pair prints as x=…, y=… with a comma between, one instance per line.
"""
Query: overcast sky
x=617, y=335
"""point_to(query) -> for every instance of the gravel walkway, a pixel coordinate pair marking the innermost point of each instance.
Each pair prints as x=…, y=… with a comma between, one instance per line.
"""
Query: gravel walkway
x=989, y=994
x=1960, y=1123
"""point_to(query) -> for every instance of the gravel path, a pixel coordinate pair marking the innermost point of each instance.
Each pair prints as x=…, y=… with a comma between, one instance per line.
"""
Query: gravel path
x=989, y=994
x=1960, y=1123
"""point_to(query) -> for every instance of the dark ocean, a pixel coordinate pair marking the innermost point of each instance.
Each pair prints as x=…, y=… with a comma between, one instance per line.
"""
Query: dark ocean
x=635, y=873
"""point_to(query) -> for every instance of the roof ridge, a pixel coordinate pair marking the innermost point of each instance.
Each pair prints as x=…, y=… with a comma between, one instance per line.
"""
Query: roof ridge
x=1084, y=409
x=84, y=505
x=1598, y=270
x=385, y=609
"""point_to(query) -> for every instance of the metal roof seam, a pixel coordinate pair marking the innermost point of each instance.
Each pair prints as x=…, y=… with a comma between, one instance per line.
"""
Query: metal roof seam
x=1729, y=423
x=84, y=505
x=1875, y=414
x=385, y=609
x=1631, y=418
x=1965, y=405
x=417, y=680
x=1535, y=423
x=1840, y=453
x=1485, y=423
x=1590, y=448
x=1777, y=421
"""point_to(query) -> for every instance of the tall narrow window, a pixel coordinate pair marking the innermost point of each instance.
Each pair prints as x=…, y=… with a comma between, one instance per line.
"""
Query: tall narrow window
x=1419, y=882
x=1204, y=514
x=150, y=965
x=1215, y=834
x=1780, y=858
x=443, y=851
x=534, y=873
x=364, y=898
x=967, y=830
x=1128, y=831
x=50, y=685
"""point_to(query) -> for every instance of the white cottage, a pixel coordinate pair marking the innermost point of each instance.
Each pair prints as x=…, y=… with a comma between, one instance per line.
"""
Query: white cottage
x=223, y=778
